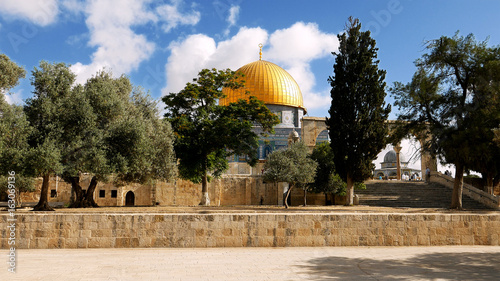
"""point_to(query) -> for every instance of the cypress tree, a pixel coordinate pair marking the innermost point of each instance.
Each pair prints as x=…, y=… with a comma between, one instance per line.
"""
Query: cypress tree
x=357, y=127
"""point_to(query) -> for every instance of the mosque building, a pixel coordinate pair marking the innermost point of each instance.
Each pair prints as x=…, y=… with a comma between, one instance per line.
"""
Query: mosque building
x=388, y=169
x=278, y=90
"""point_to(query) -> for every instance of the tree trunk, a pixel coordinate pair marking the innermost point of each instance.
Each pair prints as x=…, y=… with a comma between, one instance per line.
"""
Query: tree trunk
x=83, y=199
x=305, y=198
x=456, y=198
x=288, y=194
x=205, y=199
x=77, y=189
x=489, y=182
x=349, y=191
x=89, y=197
x=19, y=200
x=43, y=203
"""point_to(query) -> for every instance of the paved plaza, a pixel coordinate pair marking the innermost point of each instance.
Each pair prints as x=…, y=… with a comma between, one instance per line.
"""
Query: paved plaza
x=321, y=263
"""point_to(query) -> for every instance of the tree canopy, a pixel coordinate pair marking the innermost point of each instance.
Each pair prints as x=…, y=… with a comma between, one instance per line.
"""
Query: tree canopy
x=292, y=165
x=356, y=125
x=106, y=128
x=14, y=132
x=207, y=133
x=10, y=73
x=326, y=179
x=455, y=93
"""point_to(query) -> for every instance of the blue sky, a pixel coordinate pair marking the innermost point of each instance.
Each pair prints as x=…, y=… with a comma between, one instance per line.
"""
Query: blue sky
x=161, y=45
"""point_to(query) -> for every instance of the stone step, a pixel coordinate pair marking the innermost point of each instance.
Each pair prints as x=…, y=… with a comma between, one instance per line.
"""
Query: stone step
x=410, y=195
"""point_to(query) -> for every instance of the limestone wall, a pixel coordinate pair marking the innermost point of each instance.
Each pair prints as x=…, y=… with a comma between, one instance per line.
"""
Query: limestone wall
x=61, y=188
x=469, y=190
x=228, y=190
x=67, y=230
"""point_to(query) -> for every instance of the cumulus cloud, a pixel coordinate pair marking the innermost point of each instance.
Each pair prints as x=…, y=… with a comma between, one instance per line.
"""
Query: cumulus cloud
x=118, y=47
x=73, y=6
x=172, y=17
x=40, y=12
x=199, y=51
x=293, y=48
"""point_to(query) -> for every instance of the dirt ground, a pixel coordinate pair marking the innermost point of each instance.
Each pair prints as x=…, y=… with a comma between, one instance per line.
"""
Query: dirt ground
x=258, y=209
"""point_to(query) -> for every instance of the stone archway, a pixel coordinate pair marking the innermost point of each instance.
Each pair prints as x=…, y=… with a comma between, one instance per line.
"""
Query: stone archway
x=426, y=158
x=313, y=126
x=130, y=199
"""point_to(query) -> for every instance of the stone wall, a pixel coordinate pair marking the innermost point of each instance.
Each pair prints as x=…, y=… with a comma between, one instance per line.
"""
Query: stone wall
x=62, y=191
x=478, y=195
x=69, y=230
x=225, y=191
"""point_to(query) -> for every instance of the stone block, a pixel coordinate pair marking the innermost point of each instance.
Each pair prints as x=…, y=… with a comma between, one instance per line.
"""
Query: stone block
x=494, y=239
x=100, y=242
x=56, y=243
x=219, y=242
x=466, y=240
x=438, y=240
x=82, y=242
x=233, y=242
x=100, y=233
x=266, y=241
x=71, y=243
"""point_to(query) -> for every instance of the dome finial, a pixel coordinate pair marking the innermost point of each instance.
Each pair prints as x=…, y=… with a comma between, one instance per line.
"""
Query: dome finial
x=260, y=51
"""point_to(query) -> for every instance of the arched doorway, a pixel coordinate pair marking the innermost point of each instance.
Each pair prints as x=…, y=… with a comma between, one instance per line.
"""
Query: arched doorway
x=130, y=199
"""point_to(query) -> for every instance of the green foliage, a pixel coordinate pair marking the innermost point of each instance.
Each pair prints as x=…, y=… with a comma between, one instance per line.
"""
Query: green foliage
x=14, y=133
x=10, y=73
x=356, y=125
x=105, y=127
x=292, y=165
x=456, y=93
x=326, y=180
x=206, y=133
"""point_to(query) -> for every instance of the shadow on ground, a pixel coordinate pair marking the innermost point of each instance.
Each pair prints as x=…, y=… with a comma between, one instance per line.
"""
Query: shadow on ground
x=436, y=266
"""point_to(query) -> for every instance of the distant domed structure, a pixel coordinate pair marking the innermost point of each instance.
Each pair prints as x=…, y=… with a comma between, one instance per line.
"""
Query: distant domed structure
x=390, y=159
x=389, y=167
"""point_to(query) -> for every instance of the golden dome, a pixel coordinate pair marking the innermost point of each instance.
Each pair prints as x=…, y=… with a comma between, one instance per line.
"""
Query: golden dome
x=268, y=83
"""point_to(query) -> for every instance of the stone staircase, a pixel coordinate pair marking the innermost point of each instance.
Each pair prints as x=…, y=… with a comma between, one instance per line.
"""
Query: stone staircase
x=399, y=194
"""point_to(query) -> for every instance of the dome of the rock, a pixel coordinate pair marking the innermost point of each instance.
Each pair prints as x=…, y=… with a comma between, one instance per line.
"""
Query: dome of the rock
x=268, y=83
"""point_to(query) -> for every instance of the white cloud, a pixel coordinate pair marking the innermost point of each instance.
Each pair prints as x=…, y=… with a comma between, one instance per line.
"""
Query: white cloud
x=40, y=12
x=14, y=98
x=199, y=51
x=232, y=18
x=172, y=17
x=185, y=60
x=73, y=6
x=118, y=47
x=234, y=12
x=293, y=48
